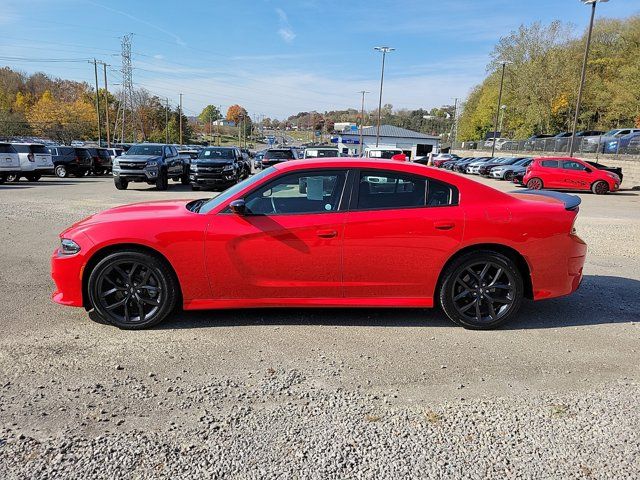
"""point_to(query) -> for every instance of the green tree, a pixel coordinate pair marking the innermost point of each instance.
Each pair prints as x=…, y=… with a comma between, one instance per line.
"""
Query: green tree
x=210, y=112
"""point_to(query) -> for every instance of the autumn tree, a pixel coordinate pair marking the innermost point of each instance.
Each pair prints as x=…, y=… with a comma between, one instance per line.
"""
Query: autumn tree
x=235, y=113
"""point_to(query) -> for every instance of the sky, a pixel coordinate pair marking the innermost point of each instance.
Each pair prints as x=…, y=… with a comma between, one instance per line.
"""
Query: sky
x=279, y=57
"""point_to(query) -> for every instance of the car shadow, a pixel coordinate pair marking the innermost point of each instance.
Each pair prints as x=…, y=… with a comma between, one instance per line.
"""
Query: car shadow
x=43, y=183
x=600, y=300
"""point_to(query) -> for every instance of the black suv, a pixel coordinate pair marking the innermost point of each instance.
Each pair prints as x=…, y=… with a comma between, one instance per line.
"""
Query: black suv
x=102, y=162
x=152, y=163
x=218, y=167
x=277, y=155
x=70, y=161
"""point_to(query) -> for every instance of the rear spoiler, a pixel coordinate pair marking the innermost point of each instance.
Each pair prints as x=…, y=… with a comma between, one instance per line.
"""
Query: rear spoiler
x=571, y=202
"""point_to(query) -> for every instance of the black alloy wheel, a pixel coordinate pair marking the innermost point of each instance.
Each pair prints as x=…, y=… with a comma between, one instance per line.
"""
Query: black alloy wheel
x=600, y=187
x=481, y=290
x=132, y=290
x=508, y=176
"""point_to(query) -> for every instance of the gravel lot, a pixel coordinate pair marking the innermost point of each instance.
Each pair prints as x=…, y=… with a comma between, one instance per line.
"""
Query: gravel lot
x=315, y=393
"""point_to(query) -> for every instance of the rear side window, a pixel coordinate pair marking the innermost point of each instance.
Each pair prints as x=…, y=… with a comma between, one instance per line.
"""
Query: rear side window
x=549, y=163
x=39, y=149
x=22, y=148
x=440, y=194
x=81, y=152
x=104, y=154
x=64, y=151
x=7, y=148
x=571, y=165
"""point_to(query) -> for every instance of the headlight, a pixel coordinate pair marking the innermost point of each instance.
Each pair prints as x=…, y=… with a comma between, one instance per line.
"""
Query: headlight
x=116, y=164
x=152, y=163
x=68, y=247
x=614, y=176
x=193, y=167
x=227, y=168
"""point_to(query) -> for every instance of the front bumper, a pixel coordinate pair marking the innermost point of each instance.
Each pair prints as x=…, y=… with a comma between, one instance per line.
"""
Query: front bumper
x=146, y=174
x=66, y=272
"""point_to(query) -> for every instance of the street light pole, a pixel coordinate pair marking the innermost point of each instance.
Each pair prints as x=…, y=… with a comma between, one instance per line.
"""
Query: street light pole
x=180, y=119
x=454, y=125
x=384, y=51
x=495, y=122
x=583, y=74
x=363, y=92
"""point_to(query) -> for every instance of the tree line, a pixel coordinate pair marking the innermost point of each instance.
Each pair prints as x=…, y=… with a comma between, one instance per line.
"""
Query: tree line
x=542, y=74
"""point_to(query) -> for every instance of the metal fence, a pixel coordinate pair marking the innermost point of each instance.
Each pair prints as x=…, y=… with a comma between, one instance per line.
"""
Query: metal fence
x=557, y=145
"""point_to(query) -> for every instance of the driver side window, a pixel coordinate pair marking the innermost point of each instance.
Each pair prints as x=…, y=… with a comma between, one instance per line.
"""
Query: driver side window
x=305, y=192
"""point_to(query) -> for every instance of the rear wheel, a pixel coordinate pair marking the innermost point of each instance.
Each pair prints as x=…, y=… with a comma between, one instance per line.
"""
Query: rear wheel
x=12, y=177
x=132, y=290
x=600, y=187
x=535, y=184
x=61, y=171
x=34, y=177
x=481, y=290
x=121, y=184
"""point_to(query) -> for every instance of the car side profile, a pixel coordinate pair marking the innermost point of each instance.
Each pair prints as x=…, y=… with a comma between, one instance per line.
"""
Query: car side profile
x=567, y=173
x=361, y=233
x=70, y=161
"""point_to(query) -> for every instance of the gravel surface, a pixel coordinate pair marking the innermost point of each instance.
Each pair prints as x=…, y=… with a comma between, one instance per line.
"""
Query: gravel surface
x=319, y=393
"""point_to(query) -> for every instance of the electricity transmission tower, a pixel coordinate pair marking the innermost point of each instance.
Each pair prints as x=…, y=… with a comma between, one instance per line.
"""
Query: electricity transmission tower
x=127, y=87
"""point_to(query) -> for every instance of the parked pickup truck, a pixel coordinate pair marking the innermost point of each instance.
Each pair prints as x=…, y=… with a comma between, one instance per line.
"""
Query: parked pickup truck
x=218, y=167
x=152, y=163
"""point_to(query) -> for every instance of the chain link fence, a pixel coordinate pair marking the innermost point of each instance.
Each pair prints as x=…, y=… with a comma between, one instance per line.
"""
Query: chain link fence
x=600, y=144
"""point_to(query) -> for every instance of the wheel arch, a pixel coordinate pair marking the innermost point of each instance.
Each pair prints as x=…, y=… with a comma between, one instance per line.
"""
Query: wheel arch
x=507, y=251
x=101, y=253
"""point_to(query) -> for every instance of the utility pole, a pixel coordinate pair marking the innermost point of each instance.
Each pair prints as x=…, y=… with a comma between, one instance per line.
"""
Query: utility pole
x=180, y=119
x=495, y=122
x=454, y=125
x=583, y=75
x=106, y=103
x=166, y=121
x=363, y=92
x=384, y=51
x=95, y=70
x=210, y=127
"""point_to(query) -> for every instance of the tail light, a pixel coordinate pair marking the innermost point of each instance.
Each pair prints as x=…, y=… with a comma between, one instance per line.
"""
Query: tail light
x=31, y=158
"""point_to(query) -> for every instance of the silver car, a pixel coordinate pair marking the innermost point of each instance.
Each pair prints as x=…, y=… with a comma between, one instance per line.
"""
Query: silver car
x=506, y=172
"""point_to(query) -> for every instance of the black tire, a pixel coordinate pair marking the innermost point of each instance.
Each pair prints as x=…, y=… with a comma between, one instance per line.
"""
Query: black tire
x=468, y=286
x=162, y=182
x=61, y=171
x=132, y=290
x=600, y=187
x=2, y=179
x=121, y=184
x=508, y=176
x=535, y=183
x=34, y=177
x=13, y=177
x=184, y=179
x=81, y=174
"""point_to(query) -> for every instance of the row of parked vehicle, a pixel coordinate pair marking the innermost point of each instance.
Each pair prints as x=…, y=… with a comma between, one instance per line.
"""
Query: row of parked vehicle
x=563, y=173
x=618, y=140
x=33, y=160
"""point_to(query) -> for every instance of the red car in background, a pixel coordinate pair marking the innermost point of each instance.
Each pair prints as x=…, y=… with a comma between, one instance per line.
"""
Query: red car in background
x=567, y=173
x=331, y=233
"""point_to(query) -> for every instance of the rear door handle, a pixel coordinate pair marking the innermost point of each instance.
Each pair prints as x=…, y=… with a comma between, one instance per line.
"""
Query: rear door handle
x=444, y=225
x=326, y=233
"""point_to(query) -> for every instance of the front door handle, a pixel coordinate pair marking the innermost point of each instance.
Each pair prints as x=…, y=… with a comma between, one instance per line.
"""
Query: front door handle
x=444, y=225
x=326, y=233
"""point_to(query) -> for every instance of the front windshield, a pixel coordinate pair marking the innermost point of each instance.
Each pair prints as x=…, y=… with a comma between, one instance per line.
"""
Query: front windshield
x=145, y=150
x=230, y=192
x=216, y=154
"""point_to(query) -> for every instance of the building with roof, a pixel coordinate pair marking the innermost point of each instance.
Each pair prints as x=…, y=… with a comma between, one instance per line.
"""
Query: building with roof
x=391, y=137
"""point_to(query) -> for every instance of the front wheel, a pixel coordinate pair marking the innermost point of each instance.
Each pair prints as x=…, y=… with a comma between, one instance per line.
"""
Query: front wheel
x=508, y=176
x=12, y=178
x=184, y=179
x=481, y=290
x=121, y=184
x=535, y=184
x=61, y=171
x=162, y=182
x=132, y=290
x=600, y=188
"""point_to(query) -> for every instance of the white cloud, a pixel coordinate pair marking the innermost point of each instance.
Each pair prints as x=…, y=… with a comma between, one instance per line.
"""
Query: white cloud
x=286, y=30
x=159, y=56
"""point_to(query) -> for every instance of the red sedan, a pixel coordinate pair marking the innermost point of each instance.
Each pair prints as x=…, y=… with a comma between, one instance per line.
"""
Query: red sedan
x=332, y=233
x=567, y=173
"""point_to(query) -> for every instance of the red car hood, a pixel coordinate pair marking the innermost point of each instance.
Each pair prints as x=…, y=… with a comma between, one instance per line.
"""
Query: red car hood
x=138, y=211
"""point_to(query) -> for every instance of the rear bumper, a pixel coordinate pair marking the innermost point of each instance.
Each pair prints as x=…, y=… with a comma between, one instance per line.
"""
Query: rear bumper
x=560, y=273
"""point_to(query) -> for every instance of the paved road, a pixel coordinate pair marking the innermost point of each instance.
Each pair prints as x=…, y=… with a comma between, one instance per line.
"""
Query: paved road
x=64, y=376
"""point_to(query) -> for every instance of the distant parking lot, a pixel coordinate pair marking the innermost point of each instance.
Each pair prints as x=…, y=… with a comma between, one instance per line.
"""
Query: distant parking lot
x=315, y=393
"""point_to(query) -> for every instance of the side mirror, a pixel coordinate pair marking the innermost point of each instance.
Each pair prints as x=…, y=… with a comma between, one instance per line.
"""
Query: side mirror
x=238, y=207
